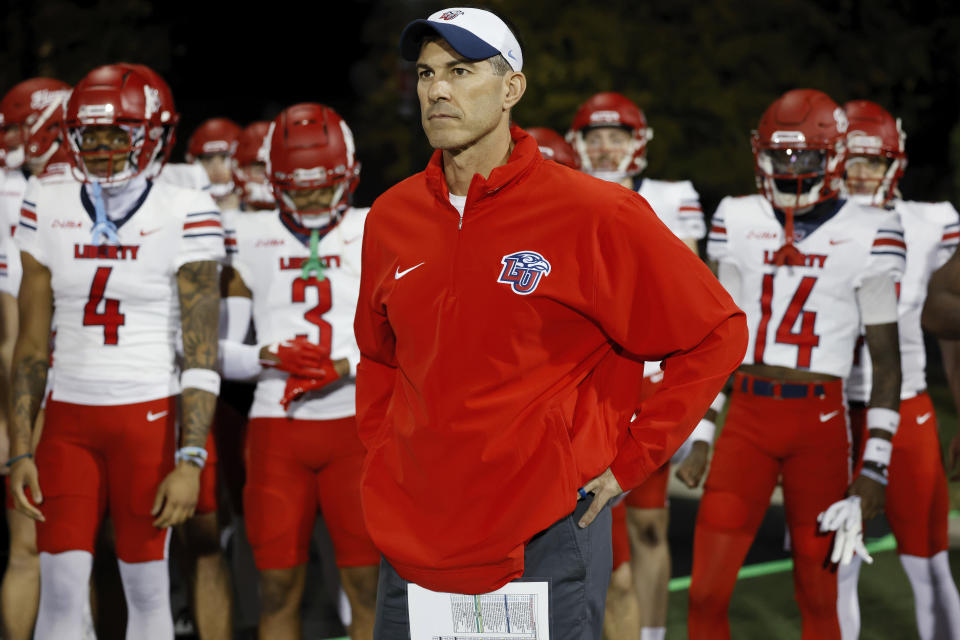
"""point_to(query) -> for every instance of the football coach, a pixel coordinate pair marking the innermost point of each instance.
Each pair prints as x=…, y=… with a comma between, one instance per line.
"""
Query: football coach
x=507, y=305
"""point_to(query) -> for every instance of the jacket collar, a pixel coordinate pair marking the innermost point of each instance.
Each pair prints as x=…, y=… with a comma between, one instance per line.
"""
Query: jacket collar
x=524, y=157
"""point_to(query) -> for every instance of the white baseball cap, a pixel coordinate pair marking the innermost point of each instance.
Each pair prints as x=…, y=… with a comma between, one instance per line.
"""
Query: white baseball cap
x=473, y=33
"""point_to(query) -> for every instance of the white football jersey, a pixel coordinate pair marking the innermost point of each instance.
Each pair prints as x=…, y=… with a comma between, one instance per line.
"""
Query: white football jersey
x=117, y=307
x=804, y=317
x=932, y=231
x=13, y=184
x=677, y=204
x=269, y=258
x=181, y=174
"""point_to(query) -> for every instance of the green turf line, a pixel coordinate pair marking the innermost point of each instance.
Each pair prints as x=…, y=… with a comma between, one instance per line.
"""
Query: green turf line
x=886, y=543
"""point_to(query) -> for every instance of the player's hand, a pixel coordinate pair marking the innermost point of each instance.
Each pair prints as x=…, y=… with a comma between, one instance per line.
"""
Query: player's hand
x=691, y=470
x=845, y=519
x=953, y=452
x=298, y=357
x=24, y=474
x=176, y=497
x=873, y=496
x=604, y=488
x=297, y=386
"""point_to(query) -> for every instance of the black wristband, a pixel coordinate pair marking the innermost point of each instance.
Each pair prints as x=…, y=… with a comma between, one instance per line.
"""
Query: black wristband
x=9, y=463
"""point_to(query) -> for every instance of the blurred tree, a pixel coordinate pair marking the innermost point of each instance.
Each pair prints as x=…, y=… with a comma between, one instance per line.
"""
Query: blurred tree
x=703, y=72
x=65, y=39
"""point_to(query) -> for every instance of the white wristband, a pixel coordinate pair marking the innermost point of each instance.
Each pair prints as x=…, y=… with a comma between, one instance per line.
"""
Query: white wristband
x=703, y=432
x=717, y=404
x=239, y=361
x=878, y=450
x=203, y=379
x=885, y=419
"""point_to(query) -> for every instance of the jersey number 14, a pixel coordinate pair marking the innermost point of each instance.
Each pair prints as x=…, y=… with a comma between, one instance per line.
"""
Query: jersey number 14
x=804, y=339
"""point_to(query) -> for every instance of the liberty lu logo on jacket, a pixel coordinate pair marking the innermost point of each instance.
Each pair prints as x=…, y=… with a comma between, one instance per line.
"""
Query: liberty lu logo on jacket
x=522, y=271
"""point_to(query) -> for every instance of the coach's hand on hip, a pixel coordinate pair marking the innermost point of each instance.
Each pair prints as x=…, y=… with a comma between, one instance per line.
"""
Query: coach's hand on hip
x=604, y=487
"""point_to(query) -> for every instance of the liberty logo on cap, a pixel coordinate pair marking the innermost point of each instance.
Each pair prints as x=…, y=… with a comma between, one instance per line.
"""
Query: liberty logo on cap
x=450, y=15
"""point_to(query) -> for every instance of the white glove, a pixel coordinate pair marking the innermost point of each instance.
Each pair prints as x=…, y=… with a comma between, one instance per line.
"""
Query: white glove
x=844, y=517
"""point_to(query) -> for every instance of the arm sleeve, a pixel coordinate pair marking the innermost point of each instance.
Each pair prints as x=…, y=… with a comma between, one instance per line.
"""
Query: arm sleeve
x=229, y=221
x=950, y=237
x=690, y=212
x=7, y=249
x=202, y=231
x=717, y=238
x=888, y=252
x=27, y=237
x=877, y=299
x=377, y=369
x=659, y=302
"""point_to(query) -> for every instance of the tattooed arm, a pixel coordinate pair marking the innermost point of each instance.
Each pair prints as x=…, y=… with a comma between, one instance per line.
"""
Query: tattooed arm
x=30, y=361
x=199, y=288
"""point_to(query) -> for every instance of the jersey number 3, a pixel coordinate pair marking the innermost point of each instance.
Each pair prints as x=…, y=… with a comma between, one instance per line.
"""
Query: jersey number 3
x=804, y=339
x=111, y=318
x=324, y=303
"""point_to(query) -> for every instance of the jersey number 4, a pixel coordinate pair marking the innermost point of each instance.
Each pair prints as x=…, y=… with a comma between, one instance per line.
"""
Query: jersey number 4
x=324, y=303
x=804, y=339
x=111, y=318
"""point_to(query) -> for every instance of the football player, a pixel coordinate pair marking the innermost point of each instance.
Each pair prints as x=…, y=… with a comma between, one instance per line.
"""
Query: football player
x=553, y=146
x=917, y=498
x=31, y=114
x=116, y=263
x=298, y=272
x=610, y=134
x=807, y=267
x=250, y=168
x=212, y=146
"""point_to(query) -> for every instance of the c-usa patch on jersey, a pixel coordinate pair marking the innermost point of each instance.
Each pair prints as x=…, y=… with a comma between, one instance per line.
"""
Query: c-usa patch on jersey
x=522, y=271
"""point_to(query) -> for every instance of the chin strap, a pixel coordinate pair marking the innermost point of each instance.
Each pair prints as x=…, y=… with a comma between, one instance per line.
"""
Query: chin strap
x=104, y=231
x=313, y=264
x=788, y=254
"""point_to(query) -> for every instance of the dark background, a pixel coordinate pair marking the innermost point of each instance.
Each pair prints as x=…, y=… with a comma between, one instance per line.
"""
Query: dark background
x=702, y=70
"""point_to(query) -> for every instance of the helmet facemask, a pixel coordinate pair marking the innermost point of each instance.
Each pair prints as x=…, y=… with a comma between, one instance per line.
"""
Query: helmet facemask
x=120, y=158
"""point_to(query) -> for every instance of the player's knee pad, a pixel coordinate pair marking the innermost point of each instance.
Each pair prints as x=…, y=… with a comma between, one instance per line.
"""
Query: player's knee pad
x=146, y=585
x=63, y=592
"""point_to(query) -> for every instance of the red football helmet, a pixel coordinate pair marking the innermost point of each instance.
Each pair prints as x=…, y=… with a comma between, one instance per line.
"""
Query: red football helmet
x=799, y=149
x=310, y=146
x=554, y=147
x=114, y=95
x=216, y=135
x=249, y=166
x=873, y=132
x=612, y=110
x=30, y=117
x=165, y=118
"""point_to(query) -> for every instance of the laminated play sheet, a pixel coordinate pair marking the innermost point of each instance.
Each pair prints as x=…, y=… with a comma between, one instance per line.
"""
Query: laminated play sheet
x=516, y=611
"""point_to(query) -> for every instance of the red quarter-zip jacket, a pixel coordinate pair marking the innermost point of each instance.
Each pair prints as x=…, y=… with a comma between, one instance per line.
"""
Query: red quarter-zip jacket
x=501, y=359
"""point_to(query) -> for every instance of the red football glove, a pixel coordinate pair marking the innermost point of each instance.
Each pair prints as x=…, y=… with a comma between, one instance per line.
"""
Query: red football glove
x=300, y=357
x=297, y=386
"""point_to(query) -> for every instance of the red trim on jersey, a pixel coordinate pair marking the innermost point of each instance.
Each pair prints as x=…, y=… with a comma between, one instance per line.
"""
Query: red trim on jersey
x=202, y=223
x=716, y=229
x=689, y=208
x=29, y=215
x=950, y=236
x=230, y=242
x=881, y=242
